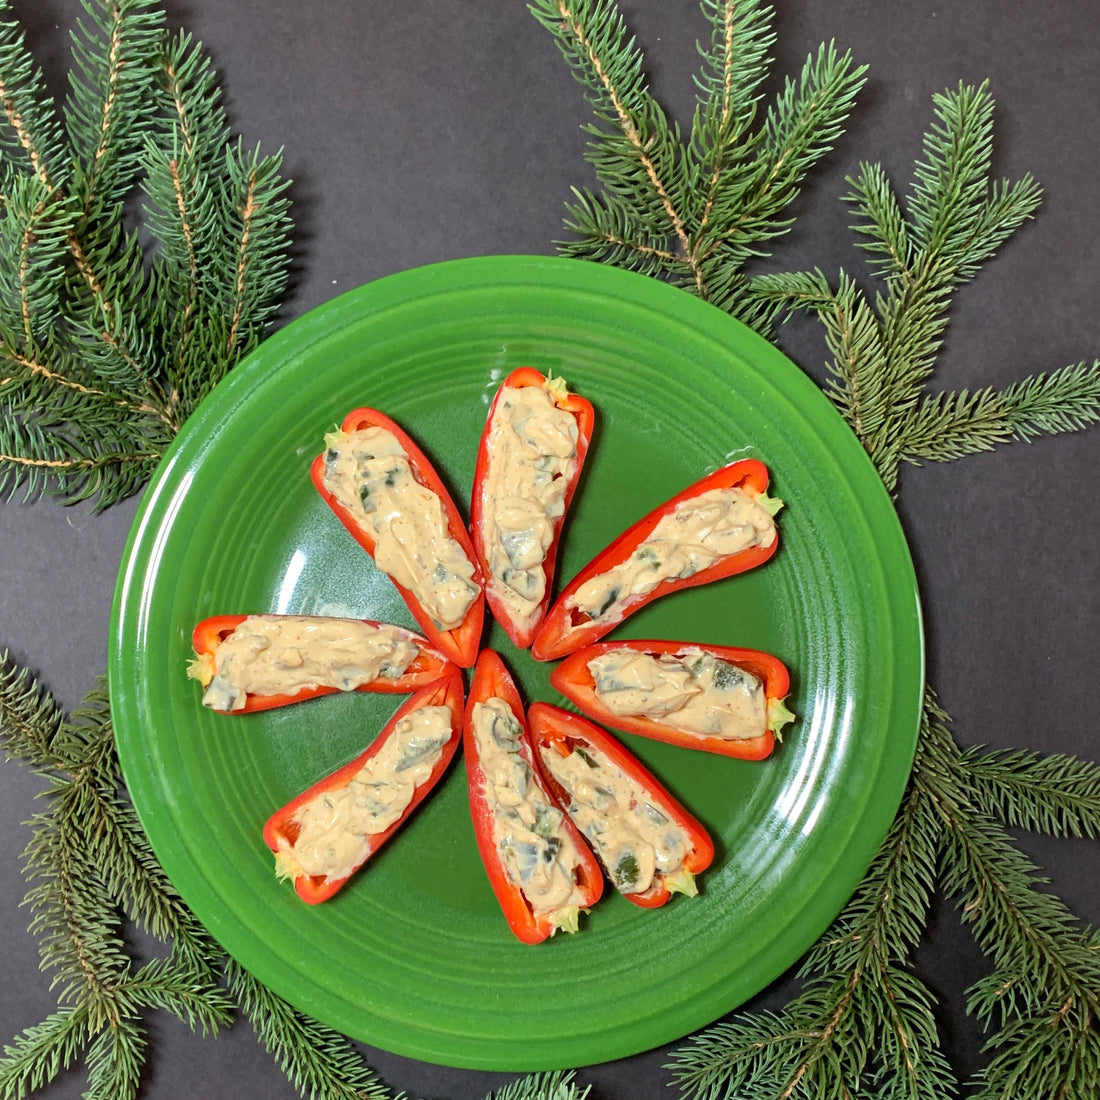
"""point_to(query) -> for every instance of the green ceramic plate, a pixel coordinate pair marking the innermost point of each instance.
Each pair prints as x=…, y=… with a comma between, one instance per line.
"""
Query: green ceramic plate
x=413, y=956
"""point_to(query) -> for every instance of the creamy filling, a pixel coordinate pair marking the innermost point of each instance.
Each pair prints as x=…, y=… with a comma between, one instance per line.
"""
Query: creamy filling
x=336, y=828
x=282, y=655
x=692, y=691
x=539, y=857
x=635, y=840
x=532, y=449
x=368, y=473
x=696, y=534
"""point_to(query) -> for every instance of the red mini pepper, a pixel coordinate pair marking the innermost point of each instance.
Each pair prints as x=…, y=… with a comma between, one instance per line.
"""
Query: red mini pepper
x=281, y=830
x=491, y=680
x=574, y=680
x=461, y=643
x=557, y=730
x=565, y=629
x=427, y=667
x=581, y=410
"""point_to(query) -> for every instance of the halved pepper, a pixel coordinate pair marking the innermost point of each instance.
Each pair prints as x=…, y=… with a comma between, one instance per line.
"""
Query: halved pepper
x=518, y=620
x=566, y=628
x=427, y=667
x=575, y=681
x=328, y=808
x=460, y=643
x=539, y=866
x=653, y=826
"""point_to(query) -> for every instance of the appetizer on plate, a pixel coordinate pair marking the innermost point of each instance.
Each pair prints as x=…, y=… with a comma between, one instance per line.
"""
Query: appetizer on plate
x=391, y=500
x=650, y=846
x=330, y=830
x=247, y=663
x=718, y=698
x=532, y=451
x=539, y=867
x=721, y=525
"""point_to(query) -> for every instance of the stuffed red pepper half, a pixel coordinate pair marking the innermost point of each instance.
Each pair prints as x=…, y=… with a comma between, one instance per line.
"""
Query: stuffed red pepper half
x=532, y=451
x=650, y=846
x=330, y=830
x=247, y=663
x=721, y=525
x=717, y=698
x=390, y=498
x=541, y=870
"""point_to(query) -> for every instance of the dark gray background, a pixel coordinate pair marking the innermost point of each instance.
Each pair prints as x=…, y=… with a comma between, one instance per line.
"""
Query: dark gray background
x=424, y=131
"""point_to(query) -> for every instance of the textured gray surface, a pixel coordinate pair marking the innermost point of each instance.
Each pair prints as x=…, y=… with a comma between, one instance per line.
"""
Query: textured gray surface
x=426, y=131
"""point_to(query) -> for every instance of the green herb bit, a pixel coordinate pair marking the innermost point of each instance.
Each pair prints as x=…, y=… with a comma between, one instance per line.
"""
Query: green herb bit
x=586, y=756
x=729, y=677
x=626, y=873
x=547, y=820
x=550, y=849
x=608, y=604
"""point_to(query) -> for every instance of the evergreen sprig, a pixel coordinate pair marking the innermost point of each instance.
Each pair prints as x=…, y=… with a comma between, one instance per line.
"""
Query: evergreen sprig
x=108, y=343
x=692, y=210
x=81, y=887
x=884, y=350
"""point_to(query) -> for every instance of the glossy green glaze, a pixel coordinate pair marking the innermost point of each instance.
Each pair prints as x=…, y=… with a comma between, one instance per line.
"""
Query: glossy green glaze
x=413, y=956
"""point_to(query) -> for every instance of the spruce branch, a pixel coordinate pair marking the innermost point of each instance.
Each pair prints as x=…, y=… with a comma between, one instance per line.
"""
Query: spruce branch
x=317, y=1061
x=34, y=1058
x=694, y=210
x=115, y=1058
x=115, y=325
x=884, y=350
x=556, y=1085
x=1054, y=794
x=1045, y=980
x=948, y=426
x=29, y=716
x=184, y=990
x=31, y=138
x=111, y=85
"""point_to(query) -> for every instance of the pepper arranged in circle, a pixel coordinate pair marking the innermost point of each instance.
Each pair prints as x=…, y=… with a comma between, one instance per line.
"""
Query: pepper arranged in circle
x=541, y=870
x=237, y=654
x=720, y=525
x=650, y=846
x=721, y=699
x=387, y=494
x=330, y=830
x=543, y=782
x=529, y=461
